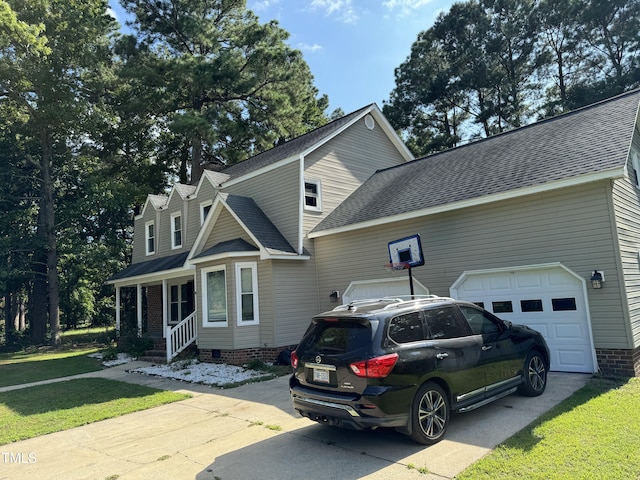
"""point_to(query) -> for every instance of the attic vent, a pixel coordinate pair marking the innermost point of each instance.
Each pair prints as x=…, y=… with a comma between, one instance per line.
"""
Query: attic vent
x=369, y=122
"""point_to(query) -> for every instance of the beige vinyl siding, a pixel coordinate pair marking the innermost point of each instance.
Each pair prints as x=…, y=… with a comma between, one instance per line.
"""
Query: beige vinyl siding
x=277, y=193
x=226, y=228
x=139, y=253
x=206, y=192
x=266, y=302
x=295, y=292
x=342, y=165
x=572, y=226
x=234, y=336
x=626, y=201
x=163, y=234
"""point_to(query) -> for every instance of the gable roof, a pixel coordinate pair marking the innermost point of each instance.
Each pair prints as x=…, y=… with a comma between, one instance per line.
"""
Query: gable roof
x=302, y=144
x=258, y=224
x=252, y=220
x=584, y=145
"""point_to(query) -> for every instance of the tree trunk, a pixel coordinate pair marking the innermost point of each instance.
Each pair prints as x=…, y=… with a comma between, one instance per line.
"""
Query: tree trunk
x=47, y=205
x=9, y=319
x=38, y=303
x=196, y=160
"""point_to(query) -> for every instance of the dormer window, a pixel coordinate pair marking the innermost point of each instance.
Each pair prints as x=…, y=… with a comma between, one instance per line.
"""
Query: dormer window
x=205, y=207
x=176, y=230
x=150, y=237
x=312, y=195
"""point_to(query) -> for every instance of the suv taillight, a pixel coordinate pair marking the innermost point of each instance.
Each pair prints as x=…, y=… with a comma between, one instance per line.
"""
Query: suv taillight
x=378, y=367
x=294, y=359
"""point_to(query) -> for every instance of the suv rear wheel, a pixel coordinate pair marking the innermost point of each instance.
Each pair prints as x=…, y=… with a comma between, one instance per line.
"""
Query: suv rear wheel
x=430, y=414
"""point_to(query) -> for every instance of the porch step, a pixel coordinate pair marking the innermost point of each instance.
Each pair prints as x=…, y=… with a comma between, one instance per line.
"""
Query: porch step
x=154, y=356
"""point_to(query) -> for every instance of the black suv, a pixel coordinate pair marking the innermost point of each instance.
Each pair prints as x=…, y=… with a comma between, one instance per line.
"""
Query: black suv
x=408, y=363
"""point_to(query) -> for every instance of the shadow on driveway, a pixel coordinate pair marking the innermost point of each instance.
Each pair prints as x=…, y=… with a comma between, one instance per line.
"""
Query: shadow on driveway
x=321, y=452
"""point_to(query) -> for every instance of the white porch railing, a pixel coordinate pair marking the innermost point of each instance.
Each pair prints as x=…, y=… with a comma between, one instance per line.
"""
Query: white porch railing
x=180, y=336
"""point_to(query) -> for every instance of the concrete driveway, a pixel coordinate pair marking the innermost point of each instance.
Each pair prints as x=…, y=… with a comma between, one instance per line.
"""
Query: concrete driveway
x=251, y=432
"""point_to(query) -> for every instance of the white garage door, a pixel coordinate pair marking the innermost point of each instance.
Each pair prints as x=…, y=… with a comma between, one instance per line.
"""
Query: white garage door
x=549, y=299
x=385, y=287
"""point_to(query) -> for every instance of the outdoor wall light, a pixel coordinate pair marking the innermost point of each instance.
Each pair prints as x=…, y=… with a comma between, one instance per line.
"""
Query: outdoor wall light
x=334, y=296
x=597, y=279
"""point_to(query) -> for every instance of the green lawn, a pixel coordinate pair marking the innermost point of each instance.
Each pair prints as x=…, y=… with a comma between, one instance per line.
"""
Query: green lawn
x=35, y=411
x=42, y=364
x=594, y=434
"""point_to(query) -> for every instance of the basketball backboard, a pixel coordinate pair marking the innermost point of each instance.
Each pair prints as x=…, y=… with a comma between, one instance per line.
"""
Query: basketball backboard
x=406, y=250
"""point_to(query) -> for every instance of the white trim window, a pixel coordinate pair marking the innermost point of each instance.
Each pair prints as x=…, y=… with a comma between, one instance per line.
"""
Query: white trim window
x=214, y=297
x=635, y=166
x=150, y=237
x=312, y=195
x=247, y=293
x=176, y=230
x=205, y=208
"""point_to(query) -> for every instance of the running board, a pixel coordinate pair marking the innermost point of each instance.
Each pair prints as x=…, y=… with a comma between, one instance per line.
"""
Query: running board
x=488, y=400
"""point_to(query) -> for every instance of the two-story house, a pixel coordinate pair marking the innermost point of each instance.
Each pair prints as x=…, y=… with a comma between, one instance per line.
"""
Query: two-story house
x=540, y=225
x=227, y=263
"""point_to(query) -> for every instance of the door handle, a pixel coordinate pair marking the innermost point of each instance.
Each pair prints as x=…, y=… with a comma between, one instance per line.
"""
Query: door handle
x=441, y=356
x=486, y=347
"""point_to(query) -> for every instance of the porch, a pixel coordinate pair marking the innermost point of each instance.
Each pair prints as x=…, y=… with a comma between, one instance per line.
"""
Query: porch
x=164, y=312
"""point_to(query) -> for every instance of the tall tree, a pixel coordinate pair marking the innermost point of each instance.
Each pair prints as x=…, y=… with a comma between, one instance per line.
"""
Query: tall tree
x=55, y=92
x=227, y=85
x=504, y=63
x=560, y=53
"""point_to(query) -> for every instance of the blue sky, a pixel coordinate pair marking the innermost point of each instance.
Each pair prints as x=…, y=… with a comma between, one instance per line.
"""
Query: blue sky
x=351, y=46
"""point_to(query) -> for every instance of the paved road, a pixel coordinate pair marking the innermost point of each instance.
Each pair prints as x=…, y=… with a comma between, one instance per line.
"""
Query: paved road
x=251, y=432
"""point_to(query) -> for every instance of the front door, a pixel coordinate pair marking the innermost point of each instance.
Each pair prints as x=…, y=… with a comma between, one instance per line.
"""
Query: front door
x=181, y=303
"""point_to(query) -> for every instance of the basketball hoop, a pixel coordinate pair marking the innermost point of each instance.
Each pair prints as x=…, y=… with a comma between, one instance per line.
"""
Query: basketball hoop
x=397, y=266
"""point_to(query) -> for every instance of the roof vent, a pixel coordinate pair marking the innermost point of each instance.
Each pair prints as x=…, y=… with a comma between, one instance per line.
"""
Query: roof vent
x=369, y=122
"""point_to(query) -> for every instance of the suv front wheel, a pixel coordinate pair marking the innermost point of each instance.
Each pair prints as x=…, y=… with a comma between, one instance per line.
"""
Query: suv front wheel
x=534, y=375
x=430, y=414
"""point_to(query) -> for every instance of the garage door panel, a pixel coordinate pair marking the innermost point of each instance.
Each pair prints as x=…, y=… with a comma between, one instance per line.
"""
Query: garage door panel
x=497, y=283
x=529, y=280
x=553, y=302
x=540, y=327
x=569, y=331
x=571, y=359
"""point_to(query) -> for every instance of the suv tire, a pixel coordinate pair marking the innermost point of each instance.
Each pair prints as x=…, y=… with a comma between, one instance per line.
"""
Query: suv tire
x=534, y=375
x=430, y=414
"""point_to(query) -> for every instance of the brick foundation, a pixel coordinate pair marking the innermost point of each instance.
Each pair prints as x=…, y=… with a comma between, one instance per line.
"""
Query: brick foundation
x=241, y=356
x=618, y=362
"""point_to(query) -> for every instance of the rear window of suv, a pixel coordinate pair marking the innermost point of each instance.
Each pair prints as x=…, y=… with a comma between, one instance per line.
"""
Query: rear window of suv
x=337, y=337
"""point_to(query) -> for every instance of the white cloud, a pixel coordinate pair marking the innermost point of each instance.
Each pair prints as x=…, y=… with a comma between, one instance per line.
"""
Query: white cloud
x=112, y=13
x=305, y=47
x=262, y=5
x=405, y=7
x=342, y=9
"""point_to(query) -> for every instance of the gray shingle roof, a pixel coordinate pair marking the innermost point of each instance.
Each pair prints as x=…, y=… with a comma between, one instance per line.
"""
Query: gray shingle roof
x=290, y=148
x=258, y=224
x=236, y=245
x=586, y=141
x=151, y=266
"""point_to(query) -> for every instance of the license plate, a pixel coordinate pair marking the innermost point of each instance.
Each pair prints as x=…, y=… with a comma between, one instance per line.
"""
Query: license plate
x=320, y=375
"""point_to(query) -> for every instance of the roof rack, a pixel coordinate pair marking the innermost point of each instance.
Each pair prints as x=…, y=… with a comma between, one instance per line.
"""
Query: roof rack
x=397, y=301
